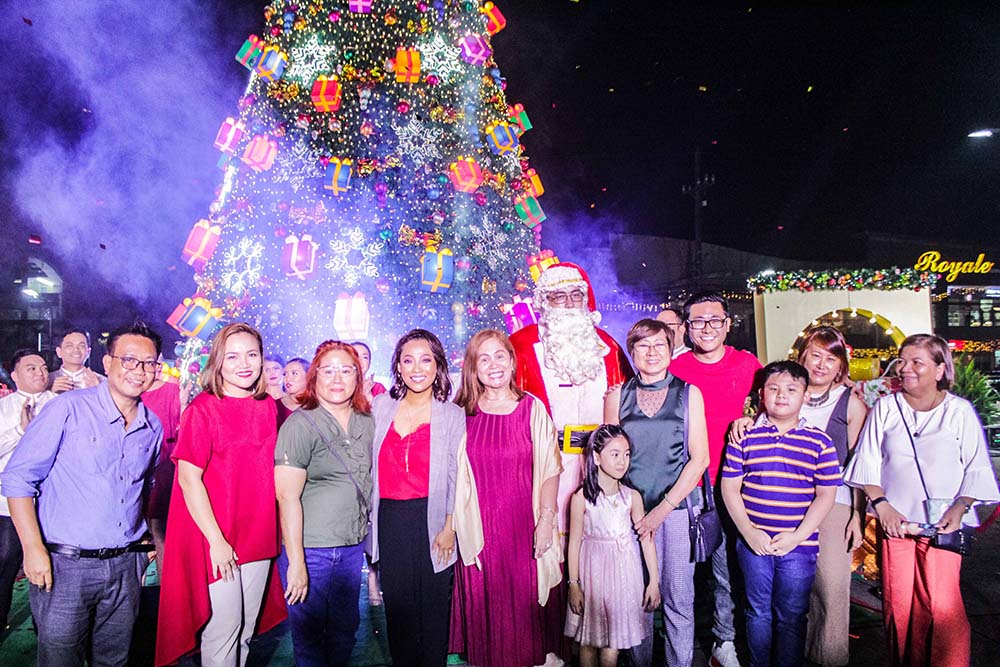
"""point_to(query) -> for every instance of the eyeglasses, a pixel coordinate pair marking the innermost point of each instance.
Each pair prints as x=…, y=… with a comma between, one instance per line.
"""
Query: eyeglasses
x=559, y=298
x=645, y=348
x=131, y=363
x=346, y=371
x=701, y=324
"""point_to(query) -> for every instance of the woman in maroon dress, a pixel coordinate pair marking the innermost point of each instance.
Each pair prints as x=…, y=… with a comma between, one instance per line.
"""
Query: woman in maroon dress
x=510, y=612
x=222, y=528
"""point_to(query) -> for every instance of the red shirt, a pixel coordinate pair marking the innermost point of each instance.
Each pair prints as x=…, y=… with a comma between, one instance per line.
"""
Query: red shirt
x=725, y=386
x=404, y=464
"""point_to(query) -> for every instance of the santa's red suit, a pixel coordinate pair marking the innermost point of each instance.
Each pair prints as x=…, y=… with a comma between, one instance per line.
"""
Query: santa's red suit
x=569, y=404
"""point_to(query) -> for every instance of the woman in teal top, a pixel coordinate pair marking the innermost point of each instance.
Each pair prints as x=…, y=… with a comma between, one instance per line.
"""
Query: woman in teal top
x=657, y=410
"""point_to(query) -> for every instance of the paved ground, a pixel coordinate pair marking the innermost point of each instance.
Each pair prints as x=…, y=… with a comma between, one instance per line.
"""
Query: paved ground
x=980, y=588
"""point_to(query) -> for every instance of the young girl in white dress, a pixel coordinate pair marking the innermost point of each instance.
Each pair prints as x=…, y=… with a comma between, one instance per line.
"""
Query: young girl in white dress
x=607, y=603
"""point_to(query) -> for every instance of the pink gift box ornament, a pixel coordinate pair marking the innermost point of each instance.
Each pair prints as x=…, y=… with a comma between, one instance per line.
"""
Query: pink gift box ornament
x=230, y=133
x=474, y=49
x=465, y=174
x=298, y=257
x=201, y=244
x=260, y=153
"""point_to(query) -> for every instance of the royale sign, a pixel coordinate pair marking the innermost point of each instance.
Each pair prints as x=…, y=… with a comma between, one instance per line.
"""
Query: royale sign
x=931, y=261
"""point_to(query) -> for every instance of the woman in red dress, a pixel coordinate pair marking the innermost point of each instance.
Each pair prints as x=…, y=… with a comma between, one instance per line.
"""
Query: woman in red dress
x=222, y=529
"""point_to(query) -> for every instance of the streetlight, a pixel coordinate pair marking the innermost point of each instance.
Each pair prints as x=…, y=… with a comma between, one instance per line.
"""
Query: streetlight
x=983, y=134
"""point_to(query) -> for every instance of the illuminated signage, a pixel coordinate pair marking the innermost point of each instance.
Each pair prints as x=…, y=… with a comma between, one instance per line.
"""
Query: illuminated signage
x=931, y=261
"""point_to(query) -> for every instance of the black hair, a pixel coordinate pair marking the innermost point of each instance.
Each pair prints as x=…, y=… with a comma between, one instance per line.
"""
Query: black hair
x=793, y=368
x=298, y=360
x=275, y=358
x=441, y=388
x=72, y=330
x=21, y=354
x=362, y=344
x=137, y=328
x=709, y=296
x=598, y=439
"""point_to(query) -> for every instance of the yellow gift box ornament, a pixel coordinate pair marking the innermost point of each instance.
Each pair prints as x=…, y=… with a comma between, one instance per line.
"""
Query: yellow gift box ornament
x=407, y=65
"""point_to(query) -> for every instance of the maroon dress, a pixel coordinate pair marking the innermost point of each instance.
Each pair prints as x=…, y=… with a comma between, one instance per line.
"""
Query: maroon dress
x=496, y=620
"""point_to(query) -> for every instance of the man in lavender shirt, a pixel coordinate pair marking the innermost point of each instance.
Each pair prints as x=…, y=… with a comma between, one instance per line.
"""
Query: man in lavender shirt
x=87, y=460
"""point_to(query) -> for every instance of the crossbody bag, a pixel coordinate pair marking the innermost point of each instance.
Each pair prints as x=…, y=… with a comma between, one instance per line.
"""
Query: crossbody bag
x=705, y=529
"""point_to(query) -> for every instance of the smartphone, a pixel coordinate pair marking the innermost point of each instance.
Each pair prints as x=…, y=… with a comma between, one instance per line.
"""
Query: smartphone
x=921, y=529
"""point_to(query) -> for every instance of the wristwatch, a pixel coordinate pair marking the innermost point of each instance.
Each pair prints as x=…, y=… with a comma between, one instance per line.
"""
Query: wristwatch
x=880, y=499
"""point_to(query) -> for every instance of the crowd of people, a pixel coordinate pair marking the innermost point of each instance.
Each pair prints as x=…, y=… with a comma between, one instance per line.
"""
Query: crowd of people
x=265, y=495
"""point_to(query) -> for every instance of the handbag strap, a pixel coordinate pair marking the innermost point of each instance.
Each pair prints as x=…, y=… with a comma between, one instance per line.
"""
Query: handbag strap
x=912, y=444
x=708, y=499
x=329, y=446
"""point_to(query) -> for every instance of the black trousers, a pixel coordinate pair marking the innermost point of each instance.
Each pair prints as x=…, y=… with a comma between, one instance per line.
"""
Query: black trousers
x=417, y=601
x=10, y=563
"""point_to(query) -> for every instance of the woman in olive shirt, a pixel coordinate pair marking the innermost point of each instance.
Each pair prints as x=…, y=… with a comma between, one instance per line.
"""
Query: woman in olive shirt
x=323, y=481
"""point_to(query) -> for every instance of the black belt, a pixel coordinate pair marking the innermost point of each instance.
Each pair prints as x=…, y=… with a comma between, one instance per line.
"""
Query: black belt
x=103, y=554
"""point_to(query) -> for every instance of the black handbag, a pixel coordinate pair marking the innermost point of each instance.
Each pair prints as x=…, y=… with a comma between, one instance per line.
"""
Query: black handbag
x=705, y=529
x=959, y=541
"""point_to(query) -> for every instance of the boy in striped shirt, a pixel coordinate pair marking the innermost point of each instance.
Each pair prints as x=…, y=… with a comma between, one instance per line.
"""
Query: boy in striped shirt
x=779, y=483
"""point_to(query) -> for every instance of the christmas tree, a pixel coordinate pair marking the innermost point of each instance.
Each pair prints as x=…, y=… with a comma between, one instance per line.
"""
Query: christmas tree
x=374, y=181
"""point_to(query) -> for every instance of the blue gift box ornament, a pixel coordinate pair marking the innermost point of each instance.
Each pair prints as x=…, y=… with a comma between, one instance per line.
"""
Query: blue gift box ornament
x=437, y=269
x=502, y=138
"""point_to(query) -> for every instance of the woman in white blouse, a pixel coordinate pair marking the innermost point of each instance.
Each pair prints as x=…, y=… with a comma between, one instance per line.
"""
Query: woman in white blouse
x=924, y=615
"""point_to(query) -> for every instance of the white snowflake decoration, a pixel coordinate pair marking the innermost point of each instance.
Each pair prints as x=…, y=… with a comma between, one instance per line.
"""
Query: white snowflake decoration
x=296, y=165
x=488, y=242
x=308, y=61
x=440, y=57
x=242, y=265
x=353, y=259
x=418, y=141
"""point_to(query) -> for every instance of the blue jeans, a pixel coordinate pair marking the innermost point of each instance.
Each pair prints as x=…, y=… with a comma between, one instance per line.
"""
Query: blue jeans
x=777, y=601
x=90, y=611
x=324, y=624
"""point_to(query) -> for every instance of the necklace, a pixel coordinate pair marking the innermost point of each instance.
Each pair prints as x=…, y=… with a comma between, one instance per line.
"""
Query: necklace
x=816, y=401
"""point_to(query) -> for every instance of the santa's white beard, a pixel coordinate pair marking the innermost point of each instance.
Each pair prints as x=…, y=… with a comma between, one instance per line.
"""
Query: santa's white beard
x=571, y=345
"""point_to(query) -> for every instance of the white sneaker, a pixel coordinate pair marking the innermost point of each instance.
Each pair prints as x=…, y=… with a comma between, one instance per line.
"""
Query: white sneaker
x=724, y=655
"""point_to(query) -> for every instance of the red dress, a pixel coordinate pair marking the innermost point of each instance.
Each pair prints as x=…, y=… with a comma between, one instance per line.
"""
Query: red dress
x=165, y=402
x=232, y=440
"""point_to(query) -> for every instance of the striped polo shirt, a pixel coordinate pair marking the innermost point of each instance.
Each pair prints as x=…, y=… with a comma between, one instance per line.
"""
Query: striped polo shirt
x=780, y=474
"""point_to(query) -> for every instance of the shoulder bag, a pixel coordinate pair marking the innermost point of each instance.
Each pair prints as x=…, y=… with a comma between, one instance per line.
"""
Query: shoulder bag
x=959, y=541
x=705, y=529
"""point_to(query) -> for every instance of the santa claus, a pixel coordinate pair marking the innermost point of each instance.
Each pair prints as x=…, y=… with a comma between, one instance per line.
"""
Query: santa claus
x=566, y=361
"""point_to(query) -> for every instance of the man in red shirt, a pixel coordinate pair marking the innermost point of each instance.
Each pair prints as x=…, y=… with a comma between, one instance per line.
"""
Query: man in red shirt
x=725, y=376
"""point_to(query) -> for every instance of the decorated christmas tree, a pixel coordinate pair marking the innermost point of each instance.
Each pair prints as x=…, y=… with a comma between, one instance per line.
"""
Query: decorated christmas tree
x=374, y=181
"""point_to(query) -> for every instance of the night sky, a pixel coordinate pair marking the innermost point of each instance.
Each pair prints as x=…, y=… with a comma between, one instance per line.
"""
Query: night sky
x=818, y=124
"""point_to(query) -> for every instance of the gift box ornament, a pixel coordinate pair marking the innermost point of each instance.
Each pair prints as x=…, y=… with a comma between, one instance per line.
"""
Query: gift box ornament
x=351, y=317
x=201, y=243
x=519, y=117
x=250, y=52
x=540, y=262
x=260, y=153
x=407, y=65
x=532, y=183
x=230, y=133
x=474, y=49
x=519, y=314
x=437, y=269
x=360, y=6
x=338, y=175
x=495, y=21
x=326, y=93
x=502, y=138
x=465, y=174
x=195, y=317
x=272, y=63
x=529, y=210
x=298, y=258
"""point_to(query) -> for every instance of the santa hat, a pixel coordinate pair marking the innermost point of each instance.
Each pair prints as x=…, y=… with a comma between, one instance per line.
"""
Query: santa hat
x=565, y=274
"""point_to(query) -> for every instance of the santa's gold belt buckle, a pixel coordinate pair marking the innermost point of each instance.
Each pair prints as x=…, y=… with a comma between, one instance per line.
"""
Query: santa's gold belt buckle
x=575, y=437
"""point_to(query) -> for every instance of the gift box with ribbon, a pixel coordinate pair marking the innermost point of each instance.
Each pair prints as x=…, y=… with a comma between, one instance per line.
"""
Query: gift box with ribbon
x=529, y=210
x=465, y=174
x=272, y=63
x=326, y=93
x=532, y=183
x=495, y=21
x=437, y=269
x=540, y=262
x=250, y=52
x=230, y=133
x=360, y=6
x=474, y=49
x=260, y=153
x=519, y=314
x=407, y=65
x=201, y=243
x=519, y=117
x=298, y=257
x=338, y=175
x=351, y=317
x=195, y=316
x=502, y=138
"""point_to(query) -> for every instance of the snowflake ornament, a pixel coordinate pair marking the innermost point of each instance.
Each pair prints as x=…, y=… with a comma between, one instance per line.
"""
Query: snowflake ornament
x=439, y=57
x=309, y=60
x=488, y=242
x=353, y=259
x=242, y=265
x=294, y=166
x=418, y=141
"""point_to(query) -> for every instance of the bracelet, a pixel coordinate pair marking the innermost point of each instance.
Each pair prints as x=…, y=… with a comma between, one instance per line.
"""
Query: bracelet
x=547, y=509
x=880, y=499
x=570, y=582
x=669, y=502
